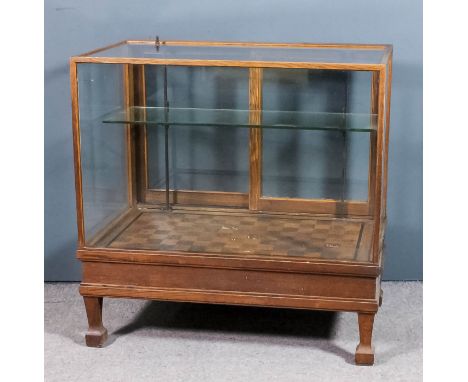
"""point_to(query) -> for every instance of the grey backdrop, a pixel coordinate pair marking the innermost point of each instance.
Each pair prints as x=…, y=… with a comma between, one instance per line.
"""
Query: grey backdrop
x=73, y=27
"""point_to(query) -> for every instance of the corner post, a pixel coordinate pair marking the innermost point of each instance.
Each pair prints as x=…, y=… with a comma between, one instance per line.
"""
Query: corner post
x=77, y=152
x=255, y=142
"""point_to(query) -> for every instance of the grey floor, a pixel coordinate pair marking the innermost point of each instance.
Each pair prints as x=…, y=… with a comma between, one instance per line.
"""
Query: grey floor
x=162, y=341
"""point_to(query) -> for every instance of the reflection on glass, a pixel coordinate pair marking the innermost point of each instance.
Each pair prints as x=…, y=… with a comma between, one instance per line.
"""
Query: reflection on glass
x=239, y=53
x=206, y=158
x=103, y=147
x=327, y=164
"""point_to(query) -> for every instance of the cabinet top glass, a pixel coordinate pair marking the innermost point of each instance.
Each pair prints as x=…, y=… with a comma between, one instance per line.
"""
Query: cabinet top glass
x=242, y=52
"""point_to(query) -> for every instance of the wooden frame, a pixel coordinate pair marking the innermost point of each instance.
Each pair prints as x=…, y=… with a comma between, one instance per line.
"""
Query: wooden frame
x=253, y=198
x=255, y=141
x=87, y=57
x=229, y=278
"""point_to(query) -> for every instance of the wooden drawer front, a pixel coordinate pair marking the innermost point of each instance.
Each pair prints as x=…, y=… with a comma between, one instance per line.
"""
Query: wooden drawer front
x=229, y=280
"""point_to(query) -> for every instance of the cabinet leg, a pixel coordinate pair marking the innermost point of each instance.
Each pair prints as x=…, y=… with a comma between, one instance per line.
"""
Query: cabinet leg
x=364, y=351
x=380, y=297
x=97, y=333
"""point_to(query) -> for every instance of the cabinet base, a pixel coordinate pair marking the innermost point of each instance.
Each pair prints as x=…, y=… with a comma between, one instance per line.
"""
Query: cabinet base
x=282, y=288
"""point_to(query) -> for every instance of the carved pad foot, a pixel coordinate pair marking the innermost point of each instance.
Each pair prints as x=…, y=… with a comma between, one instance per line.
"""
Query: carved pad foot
x=364, y=355
x=97, y=333
x=96, y=337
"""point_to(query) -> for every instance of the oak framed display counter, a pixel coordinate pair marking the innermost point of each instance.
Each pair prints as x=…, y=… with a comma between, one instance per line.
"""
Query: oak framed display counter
x=232, y=173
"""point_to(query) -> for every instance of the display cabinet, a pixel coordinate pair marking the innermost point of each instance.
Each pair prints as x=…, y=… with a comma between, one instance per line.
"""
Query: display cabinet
x=232, y=173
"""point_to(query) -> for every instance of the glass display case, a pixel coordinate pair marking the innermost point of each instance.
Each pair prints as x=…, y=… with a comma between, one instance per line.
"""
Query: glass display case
x=232, y=173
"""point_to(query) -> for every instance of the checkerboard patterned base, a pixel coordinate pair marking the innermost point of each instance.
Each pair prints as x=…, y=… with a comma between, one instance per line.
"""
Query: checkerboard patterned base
x=249, y=234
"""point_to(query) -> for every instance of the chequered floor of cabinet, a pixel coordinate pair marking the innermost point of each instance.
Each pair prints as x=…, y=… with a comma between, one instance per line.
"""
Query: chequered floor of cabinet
x=253, y=234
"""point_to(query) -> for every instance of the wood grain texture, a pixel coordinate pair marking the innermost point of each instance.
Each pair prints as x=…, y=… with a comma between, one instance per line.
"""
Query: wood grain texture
x=247, y=235
x=140, y=134
x=226, y=261
x=77, y=153
x=388, y=97
x=180, y=278
x=229, y=63
x=315, y=258
x=364, y=351
x=129, y=101
x=232, y=298
x=255, y=141
x=365, y=245
x=262, y=44
x=97, y=333
x=198, y=198
x=387, y=56
x=386, y=48
x=379, y=166
x=374, y=109
x=316, y=206
x=383, y=213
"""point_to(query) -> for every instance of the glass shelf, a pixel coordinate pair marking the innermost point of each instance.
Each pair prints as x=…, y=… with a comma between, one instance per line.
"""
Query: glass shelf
x=293, y=120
